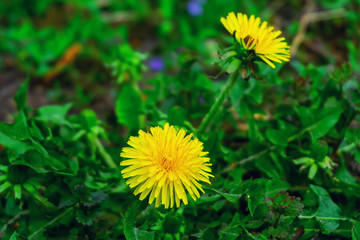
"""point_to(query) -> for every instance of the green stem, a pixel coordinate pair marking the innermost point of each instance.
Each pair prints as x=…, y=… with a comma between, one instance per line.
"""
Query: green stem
x=325, y=218
x=250, y=235
x=11, y=221
x=218, y=103
x=246, y=160
x=108, y=159
x=33, y=235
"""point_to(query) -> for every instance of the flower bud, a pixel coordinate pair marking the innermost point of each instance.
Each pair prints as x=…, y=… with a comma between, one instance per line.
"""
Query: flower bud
x=244, y=73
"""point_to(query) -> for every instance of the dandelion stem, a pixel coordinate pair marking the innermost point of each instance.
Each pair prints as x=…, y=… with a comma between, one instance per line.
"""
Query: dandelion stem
x=106, y=156
x=218, y=103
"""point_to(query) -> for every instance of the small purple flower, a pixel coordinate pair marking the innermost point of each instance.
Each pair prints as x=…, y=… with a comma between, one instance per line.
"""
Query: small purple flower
x=156, y=64
x=195, y=7
x=201, y=100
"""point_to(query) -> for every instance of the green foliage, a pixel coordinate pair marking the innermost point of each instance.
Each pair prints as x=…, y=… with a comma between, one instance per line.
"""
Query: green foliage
x=356, y=231
x=328, y=213
x=15, y=236
x=129, y=107
x=130, y=231
x=233, y=230
x=129, y=64
x=277, y=137
x=284, y=143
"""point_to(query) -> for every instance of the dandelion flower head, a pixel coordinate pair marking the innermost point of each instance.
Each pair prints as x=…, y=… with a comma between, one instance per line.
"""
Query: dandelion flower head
x=165, y=163
x=257, y=36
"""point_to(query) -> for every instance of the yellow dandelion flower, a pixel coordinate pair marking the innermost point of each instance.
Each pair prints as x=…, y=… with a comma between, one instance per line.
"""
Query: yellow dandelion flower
x=261, y=38
x=166, y=164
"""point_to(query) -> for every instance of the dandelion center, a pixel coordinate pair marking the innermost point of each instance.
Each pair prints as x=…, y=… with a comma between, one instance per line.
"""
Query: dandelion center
x=249, y=42
x=165, y=164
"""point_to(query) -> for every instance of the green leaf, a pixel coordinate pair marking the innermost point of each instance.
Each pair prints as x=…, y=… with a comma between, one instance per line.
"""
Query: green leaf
x=327, y=209
x=17, y=191
x=144, y=235
x=203, y=81
x=233, y=66
x=277, y=137
x=307, y=161
x=92, y=125
x=355, y=232
x=130, y=231
x=319, y=150
x=14, y=236
x=231, y=197
x=232, y=231
x=352, y=93
x=41, y=163
x=86, y=216
x=255, y=135
x=21, y=95
x=202, y=234
x=4, y=186
x=167, y=8
x=266, y=166
x=205, y=199
x=306, y=115
x=89, y=118
x=237, y=92
x=35, y=131
x=176, y=115
x=228, y=54
x=172, y=222
x=279, y=232
x=299, y=67
x=318, y=122
x=254, y=91
x=254, y=190
x=54, y=113
x=18, y=130
x=313, y=171
x=327, y=119
x=129, y=107
x=36, y=195
x=17, y=146
x=274, y=186
x=344, y=175
x=13, y=136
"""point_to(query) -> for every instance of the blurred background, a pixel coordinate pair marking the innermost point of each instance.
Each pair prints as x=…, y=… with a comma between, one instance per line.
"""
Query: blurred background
x=79, y=50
